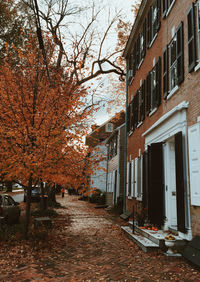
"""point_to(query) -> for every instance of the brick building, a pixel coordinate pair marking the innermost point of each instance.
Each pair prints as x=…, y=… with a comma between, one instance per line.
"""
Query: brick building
x=163, y=115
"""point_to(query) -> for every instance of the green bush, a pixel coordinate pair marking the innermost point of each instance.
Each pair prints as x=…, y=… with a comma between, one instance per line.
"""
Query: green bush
x=98, y=197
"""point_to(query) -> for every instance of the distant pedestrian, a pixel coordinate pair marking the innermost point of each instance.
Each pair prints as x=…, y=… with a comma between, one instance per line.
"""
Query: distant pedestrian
x=63, y=192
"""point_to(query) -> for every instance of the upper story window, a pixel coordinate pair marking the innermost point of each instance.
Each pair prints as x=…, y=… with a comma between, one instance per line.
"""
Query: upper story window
x=193, y=25
x=153, y=24
x=112, y=148
x=173, y=62
x=153, y=89
x=167, y=5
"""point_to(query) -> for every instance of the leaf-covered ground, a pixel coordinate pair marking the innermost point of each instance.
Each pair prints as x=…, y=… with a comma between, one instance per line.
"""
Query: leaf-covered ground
x=87, y=244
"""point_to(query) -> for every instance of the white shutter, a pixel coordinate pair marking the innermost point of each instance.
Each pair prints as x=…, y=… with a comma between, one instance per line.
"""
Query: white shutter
x=194, y=162
x=113, y=180
x=136, y=177
x=132, y=178
x=139, y=179
x=127, y=178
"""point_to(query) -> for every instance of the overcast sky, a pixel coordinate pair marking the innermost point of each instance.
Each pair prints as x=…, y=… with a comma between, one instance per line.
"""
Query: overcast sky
x=124, y=5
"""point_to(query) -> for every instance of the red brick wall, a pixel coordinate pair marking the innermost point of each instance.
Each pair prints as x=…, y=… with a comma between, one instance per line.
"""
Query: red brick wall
x=189, y=90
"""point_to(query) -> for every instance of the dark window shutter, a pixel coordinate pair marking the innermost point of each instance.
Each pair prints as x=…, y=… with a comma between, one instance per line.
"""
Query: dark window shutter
x=138, y=51
x=158, y=83
x=191, y=38
x=144, y=37
x=142, y=104
x=165, y=73
x=180, y=183
x=180, y=54
x=149, y=27
x=155, y=184
x=132, y=116
x=136, y=100
x=164, y=8
x=134, y=60
x=148, y=93
x=145, y=180
x=158, y=14
x=128, y=118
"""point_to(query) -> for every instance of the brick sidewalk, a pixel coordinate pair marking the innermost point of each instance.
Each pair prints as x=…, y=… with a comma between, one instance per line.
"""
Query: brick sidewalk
x=90, y=246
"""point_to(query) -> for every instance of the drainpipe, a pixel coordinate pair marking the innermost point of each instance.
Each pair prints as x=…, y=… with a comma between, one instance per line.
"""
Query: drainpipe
x=125, y=142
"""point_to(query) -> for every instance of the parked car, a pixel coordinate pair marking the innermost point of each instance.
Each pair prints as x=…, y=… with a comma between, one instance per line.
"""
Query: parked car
x=35, y=194
x=9, y=209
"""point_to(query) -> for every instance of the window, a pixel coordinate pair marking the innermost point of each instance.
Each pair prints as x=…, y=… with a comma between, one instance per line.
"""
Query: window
x=173, y=62
x=112, y=149
x=109, y=127
x=141, y=45
x=142, y=102
x=153, y=21
x=153, y=90
x=167, y=4
x=193, y=36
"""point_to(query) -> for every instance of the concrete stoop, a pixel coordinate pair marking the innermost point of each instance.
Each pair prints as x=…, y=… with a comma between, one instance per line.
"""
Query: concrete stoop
x=147, y=240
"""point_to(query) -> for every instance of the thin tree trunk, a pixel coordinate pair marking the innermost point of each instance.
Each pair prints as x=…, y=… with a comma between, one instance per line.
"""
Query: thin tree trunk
x=8, y=186
x=28, y=206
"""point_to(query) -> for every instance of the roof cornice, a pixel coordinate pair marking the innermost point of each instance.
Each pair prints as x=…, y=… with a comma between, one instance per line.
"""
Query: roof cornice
x=134, y=28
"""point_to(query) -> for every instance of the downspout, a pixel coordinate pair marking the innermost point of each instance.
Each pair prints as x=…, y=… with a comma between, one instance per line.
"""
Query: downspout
x=125, y=142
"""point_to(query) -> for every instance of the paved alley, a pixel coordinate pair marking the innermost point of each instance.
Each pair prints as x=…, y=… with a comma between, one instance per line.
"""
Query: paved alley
x=87, y=244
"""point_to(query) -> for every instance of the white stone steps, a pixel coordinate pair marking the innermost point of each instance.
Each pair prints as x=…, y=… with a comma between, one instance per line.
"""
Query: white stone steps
x=144, y=243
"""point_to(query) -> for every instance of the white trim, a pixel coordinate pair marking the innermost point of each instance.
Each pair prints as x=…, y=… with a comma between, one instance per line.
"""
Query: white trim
x=170, y=7
x=180, y=107
x=139, y=124
x=172, y=92
x=197, y=67
x=152, y=112
x=152, y=41
x=140, y=63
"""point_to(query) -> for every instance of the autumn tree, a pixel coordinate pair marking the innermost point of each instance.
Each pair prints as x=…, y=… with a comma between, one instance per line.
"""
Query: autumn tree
x=41, y=121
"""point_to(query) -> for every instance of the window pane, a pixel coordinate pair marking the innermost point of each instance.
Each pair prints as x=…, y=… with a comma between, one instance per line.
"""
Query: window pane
x=173, y=52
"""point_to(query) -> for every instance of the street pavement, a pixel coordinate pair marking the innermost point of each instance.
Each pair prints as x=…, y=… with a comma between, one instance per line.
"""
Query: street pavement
x=87, y=244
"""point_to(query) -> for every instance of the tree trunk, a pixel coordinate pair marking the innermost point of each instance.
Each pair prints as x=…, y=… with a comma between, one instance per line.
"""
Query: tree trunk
x=28, y=206
x=52, y=194
x=8, y=186
x=43, y=200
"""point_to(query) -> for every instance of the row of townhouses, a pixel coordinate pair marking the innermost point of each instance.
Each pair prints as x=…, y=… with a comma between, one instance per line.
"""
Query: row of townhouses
x=158, y=145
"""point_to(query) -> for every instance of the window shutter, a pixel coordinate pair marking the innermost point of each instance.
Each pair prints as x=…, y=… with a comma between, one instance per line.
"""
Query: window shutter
x=149, y=27
x=145, y=180
x=158, y=14
x=132, y=115
x=156, y=181
x=136, y=177
x=127, y=179
x=132, y=178
x=136, y=100
x=180, y=54
x=134, y=59
x=158, y=82
x=194, y=161
x=138, y=51
x=164, y=8
x=139, y=181
x=191, y=38
x=148, y=93
x=142, y=104
x=165, y=73
x=144, y=38
x=128, y=118
x=180, y=183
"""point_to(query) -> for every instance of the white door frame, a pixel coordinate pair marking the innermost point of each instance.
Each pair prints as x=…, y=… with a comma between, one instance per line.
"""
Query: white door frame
x=166, y=127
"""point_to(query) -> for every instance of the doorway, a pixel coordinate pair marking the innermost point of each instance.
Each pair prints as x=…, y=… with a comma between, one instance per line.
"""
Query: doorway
x=170, y=185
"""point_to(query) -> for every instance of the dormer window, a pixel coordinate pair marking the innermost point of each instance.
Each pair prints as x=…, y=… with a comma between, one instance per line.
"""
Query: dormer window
x=109, y=127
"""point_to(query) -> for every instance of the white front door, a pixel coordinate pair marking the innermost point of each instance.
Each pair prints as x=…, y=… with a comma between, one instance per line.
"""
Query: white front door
x=170, y=185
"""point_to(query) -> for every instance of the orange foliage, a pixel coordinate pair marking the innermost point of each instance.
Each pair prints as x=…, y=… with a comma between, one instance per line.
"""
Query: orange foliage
x=41, y=121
